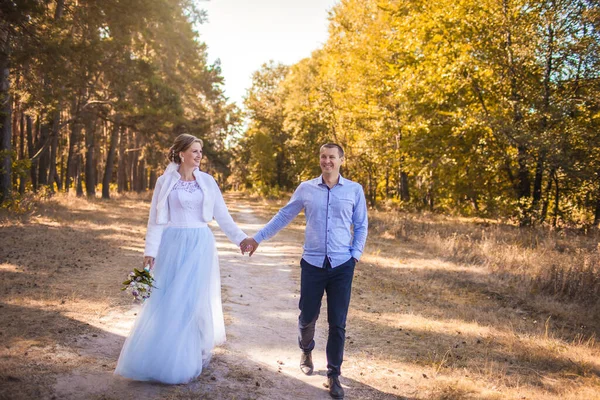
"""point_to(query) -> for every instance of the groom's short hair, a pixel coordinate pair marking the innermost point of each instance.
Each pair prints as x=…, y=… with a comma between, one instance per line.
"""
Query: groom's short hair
x=333, y=146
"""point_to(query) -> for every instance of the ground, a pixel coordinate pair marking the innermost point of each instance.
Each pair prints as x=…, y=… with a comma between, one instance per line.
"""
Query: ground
x=420, y=326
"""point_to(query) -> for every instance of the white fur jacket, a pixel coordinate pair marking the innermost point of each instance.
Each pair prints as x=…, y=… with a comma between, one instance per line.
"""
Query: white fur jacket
x=213, y=207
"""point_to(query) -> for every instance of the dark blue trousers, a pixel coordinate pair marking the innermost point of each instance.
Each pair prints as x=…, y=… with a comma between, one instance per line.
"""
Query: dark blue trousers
x=337, y=282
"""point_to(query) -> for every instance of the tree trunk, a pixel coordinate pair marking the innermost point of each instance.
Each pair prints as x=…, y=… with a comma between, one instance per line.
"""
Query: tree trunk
x=102, y=142
x=78, y=176
x=404, y=193
x=546, y=203
x=44, y=159
x=153, y=178
x=60, y=7
x=387, y=182
x=15, y=129
x=523, y=184
x=430, y=200
x=135, y=158
x=5, y=116
x=63, y=172
x=141, y=176
x=31, y=153
x=370, y=183
x=539, y=169
x=22, y=179
x=524, y=180
x=134, y=172
x=475, y=203
x=55, y=122
x=15, y=121
x=534, y=211
x=524, y=189
x=537, y=182
x=556, y=200
x=52, y=174
x=122, y=168
x=90, y=122
x=74, y=149
x=110, y=158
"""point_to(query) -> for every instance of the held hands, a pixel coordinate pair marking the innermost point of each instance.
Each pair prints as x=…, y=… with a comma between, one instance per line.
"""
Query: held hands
x=248, y=245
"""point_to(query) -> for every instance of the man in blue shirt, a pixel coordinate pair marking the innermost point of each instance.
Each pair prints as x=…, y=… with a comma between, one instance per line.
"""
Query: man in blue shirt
x=336, y=231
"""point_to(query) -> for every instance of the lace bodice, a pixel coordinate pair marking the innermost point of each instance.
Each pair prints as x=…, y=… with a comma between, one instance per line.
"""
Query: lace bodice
x=185, y=204
x=188, y=186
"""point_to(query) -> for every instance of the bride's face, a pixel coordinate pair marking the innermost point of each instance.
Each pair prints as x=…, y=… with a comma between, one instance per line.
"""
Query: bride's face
x=192, y=156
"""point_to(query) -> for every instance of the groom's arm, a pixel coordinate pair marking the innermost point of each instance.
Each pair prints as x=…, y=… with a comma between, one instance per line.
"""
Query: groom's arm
x=283, y=217
x=361, y=224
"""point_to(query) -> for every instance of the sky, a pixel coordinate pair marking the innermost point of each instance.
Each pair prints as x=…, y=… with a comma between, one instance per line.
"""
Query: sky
x=244, y=34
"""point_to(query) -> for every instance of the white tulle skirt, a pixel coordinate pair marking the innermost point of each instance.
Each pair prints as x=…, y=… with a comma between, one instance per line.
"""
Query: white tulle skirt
x=182, y=321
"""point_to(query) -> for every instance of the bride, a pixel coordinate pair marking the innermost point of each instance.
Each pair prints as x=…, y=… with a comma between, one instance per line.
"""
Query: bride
x=182, y=321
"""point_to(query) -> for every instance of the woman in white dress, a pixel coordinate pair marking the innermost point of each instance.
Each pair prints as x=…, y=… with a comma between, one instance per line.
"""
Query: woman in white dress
x=182, y=321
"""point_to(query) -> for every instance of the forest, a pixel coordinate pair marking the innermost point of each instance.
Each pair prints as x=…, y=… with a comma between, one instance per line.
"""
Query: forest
x=94, y=92
x=486, y=108
x=479, y=108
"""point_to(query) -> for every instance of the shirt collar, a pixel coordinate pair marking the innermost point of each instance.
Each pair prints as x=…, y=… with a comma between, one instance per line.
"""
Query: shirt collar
x=320, y=180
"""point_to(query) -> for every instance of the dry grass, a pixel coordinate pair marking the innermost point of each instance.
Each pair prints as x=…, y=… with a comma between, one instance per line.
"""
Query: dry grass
x=454, y=308
x=58, y=263
x=564, y=264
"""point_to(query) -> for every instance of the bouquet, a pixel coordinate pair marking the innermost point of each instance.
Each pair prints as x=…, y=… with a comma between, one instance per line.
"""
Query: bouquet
x=139, y=284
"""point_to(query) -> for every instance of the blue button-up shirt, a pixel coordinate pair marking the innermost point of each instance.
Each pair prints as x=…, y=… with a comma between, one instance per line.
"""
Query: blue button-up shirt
x=330, y=213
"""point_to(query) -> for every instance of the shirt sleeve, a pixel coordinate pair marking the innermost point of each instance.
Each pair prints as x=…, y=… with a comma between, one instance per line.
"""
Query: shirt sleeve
x=223, y=218
x=285, y=215
x=154, y=230
x=361, y=224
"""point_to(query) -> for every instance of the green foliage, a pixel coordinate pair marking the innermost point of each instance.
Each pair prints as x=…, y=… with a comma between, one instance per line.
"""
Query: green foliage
x=18, y=167
x=138, y=62
x=263, y=158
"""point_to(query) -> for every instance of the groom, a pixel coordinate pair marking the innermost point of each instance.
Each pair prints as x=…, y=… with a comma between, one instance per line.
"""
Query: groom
x=333, y=205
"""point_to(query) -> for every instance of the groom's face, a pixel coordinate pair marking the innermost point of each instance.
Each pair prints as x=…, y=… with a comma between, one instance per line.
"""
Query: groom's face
x=330, y=160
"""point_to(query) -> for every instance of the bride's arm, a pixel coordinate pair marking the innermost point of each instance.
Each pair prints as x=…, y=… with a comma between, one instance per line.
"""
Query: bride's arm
x=154, y=230
x=223, y=218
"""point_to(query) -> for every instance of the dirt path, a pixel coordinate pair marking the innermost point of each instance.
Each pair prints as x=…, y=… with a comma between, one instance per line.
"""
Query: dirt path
x=258, y=360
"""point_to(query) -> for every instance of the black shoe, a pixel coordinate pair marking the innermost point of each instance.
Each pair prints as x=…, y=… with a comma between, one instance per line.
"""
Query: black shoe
x=335, y=388
x=306, y=364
